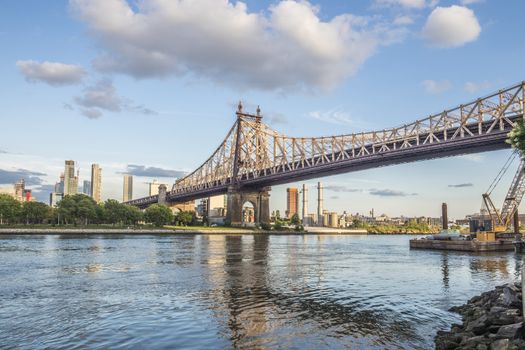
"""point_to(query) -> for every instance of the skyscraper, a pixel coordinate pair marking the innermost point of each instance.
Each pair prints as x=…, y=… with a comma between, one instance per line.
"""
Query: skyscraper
x=96, y=182
x=59, y=186
x=292, y=201
x=86, y=188
x=70, y=180
x=127, y=194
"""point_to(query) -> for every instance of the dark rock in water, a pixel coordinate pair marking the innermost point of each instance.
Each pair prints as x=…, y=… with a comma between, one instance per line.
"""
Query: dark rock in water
x=479, y=325
x=510, y=296
x=511, y=331
x=492, y=320
x=502, y=344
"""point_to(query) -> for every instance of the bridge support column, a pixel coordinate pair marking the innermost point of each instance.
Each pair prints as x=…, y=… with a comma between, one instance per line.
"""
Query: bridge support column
x=162, y=194
x=258, y=198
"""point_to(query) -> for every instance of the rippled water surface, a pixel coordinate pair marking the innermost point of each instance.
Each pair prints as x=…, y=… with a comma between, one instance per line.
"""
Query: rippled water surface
x=238, y=291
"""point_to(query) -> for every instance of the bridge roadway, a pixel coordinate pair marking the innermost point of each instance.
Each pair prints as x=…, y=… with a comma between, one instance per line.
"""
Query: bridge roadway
x=495, y=140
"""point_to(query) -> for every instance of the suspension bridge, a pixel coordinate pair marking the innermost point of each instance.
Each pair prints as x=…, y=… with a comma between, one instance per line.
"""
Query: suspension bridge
x=253, y=156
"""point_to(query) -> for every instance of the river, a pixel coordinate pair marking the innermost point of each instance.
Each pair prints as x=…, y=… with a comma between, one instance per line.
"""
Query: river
x=234, y=291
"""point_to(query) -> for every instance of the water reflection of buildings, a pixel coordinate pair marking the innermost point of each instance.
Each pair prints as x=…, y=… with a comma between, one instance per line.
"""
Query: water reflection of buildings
x=495, y=265
x=255, y=294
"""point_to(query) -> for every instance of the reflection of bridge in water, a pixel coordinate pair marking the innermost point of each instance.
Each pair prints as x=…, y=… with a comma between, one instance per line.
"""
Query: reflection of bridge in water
x=250, y=306
x=254, y=157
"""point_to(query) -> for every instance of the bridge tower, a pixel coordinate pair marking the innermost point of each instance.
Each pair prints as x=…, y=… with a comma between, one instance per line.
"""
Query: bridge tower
x=238, y=195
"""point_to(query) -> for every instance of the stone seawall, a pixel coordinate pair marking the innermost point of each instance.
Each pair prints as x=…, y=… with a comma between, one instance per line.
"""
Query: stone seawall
x=491, y=321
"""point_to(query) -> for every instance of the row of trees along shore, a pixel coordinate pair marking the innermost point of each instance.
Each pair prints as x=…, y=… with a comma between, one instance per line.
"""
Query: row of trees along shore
x=80, y=209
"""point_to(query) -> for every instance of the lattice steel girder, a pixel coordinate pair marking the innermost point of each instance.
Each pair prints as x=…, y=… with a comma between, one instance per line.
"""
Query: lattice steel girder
x=252, y=150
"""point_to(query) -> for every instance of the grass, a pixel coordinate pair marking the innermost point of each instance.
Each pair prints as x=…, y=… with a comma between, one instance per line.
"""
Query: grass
x=206, y=228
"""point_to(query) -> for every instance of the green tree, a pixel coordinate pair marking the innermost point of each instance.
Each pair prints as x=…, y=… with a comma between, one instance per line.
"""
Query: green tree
x=115, y=213
x=184, y=218
x=77, y=208
x=294, y=220
x=132, y=215
x=35, y=212
x=516, y=137
x=158, y=215
x=9, y=209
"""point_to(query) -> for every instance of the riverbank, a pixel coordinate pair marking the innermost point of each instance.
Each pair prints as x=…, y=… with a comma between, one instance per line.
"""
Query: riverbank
x=168, y=230
x=492, y=320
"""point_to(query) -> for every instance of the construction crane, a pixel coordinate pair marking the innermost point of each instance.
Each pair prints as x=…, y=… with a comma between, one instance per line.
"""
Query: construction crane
x=501, y=220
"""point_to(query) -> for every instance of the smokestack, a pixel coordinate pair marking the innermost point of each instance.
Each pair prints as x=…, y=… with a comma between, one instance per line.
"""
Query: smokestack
x=305, y=203
x=444, y=215
x=320, y=217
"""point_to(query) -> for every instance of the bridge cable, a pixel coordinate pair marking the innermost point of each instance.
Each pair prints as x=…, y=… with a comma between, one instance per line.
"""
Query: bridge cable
x=502, y=172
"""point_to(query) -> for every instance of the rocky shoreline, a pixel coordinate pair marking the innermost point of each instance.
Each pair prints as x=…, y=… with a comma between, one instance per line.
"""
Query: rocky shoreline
x=491, y=321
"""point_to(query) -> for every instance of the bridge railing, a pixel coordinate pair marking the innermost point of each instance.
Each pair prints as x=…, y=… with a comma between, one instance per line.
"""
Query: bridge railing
x=262, y=151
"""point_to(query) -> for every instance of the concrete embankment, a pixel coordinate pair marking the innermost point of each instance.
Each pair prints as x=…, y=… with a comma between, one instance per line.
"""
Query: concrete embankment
x=491, y=321
x=87, y=231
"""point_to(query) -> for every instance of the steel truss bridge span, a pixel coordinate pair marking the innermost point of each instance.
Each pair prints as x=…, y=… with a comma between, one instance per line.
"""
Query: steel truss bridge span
x=253, y=155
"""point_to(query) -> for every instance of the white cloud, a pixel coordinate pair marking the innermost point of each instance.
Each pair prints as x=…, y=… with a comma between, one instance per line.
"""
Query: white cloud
x=403, y=20
x=103, y=96
x=332, y=117
x=436, y=86
x=474, y=87
x=451, y=27
x=415, y=4
x=470, y=2
x=52, y=73
x=287, y=47
x=406, y=4
x=477, y=158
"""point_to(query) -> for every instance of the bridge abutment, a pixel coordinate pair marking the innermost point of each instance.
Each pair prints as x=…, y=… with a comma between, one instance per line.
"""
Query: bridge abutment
x=258, y=198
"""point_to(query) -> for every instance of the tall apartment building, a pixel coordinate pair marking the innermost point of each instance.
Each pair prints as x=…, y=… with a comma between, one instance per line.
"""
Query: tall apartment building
x=96, y=182
x=292, y=201
x=70, y=180
x=86, y=188
x=127, y=193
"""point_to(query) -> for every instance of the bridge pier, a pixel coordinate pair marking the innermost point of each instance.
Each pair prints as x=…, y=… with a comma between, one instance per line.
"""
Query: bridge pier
x=259, y=199
x=163, y=191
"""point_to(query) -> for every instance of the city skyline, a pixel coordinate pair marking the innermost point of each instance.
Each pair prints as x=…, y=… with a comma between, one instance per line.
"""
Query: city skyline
x=360, y=93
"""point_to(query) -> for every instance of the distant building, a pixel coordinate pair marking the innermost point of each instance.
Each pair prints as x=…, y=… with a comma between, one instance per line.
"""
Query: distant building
x=154, y=187
x=325, y=218
x=70, y=180
x=10, y=191
x=127, y=193
x=216, y=206
x=18, y=192
x=86, y=188
x=248, y=215
x=309, y=219
x=96, y=182
x=333, y=220
x=20, y=187
x=54, y=198
x=292, y=202
x=320, y=216
x=59, y=186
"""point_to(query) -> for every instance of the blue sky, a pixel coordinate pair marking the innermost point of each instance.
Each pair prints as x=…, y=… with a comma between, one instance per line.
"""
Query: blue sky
x=154, y=84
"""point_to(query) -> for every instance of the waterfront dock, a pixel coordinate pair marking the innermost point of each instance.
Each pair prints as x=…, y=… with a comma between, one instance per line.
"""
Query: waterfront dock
x=465, y=246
